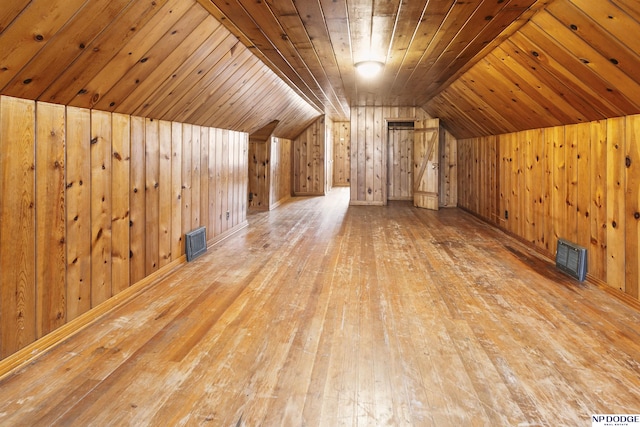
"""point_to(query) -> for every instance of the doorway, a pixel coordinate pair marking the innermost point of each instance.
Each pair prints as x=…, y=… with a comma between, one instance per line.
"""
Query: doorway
x=412, y=161
x=400, y=160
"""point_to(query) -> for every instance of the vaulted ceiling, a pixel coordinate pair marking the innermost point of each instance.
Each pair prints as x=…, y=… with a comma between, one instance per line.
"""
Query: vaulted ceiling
x=484, y=67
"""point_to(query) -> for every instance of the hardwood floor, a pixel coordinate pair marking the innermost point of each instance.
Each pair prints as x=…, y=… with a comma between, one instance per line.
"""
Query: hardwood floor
x=329, y=315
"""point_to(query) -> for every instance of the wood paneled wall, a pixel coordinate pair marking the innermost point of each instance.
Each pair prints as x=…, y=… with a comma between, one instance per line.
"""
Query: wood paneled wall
x=92, y=202
x=280, y=171
x=309, y=154
x=448, y=169
x=368, y=150
x=259, y=173
x=341, y=153
x=400, y=141
x=328, y=154
x=579, y=182
x=368, y=177
x=269, y=172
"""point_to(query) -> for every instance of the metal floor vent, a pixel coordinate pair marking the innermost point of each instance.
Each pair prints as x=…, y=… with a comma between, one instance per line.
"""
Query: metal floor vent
x=572, y=259
x=196, y=243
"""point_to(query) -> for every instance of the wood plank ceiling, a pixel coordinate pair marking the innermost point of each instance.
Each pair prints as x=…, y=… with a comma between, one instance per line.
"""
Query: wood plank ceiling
x=164, y=59
x=484, y=67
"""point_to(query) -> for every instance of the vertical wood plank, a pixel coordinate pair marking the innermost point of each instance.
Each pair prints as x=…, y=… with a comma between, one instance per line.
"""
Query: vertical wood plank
x=100, y=207
x=50, y=218
x=515, y=215
x=548, y=191
x=616, y=218
x=120, y=209
x=453, y=169
x=369, y=148
x=219, y=141
x=537, y=190
x=165, y=194
x=224, y=190
x=177, y=243
x=632, y=198
x=529, y=170
x=483, y=168
x=187, y=154
x=598, y=162
x=234, y=144
x=204, y=177
x=583, y=199
x=598, y=214
x=492, y=205
x=342, y=153
x=556, y=137
x=241, y=191
x=237, y=179
x=195, y=177
x=17, y=219
x=361, y=163
x=152, y=195
x=212, y=197
x=353, y=161
x=78, y=201
x=571, y=146
x=379, y=165
x=137, y=200
x=505, y=178
x=233, y=189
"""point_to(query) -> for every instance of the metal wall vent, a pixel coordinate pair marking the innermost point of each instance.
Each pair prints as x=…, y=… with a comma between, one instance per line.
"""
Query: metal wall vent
x=572, y=259
x=196, y=243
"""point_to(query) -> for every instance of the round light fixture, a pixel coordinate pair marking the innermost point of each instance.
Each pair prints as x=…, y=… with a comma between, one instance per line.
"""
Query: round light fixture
x=369, y=69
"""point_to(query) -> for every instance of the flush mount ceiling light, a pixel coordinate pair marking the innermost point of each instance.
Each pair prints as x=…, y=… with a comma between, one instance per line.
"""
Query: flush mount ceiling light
x=369, y=69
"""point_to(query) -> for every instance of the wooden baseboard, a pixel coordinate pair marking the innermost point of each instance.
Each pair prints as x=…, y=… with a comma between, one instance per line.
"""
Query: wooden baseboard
x=365, y=203
x=40, y=346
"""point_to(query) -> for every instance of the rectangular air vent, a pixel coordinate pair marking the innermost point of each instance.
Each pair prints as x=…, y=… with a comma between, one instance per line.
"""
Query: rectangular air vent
x=572, y=259
x=196, y=243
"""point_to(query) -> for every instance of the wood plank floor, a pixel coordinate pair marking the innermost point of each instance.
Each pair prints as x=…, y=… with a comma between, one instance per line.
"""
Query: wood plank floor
x=320, y=314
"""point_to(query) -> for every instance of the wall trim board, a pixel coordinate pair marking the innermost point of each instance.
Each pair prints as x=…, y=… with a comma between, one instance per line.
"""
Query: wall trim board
x=307, y=194
x=365, y=203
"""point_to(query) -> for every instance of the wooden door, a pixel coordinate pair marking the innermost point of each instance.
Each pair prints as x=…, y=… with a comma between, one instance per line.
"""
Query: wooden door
x=399, y=162
x=425, y=164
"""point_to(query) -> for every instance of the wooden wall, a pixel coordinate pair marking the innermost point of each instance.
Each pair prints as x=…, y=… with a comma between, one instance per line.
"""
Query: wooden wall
x=91, y=202
x=309, y=154
x=400, y=143
x=448, y=169
x=269, y=172
x=368, y=150
x=579, y=182
x=341, y=153
x=369, y=155
x=280, y=171
x=259, y=173
x=328, y=154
